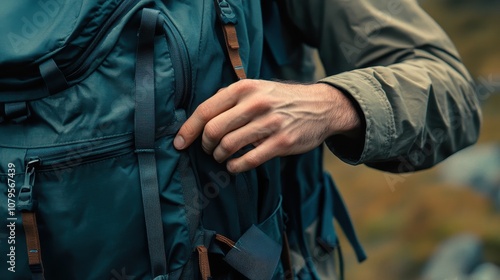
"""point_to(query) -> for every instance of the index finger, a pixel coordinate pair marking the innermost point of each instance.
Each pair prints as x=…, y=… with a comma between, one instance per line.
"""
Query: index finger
x=194, y=125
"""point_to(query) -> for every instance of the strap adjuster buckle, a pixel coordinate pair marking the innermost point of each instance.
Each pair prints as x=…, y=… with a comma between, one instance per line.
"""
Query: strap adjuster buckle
x=225, y=12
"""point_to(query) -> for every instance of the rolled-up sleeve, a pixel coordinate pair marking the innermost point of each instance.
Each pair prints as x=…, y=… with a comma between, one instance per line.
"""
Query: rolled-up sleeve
x=400, y=69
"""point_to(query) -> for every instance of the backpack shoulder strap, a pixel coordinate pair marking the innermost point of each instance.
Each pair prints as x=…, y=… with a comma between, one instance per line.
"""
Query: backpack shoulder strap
x=144, y=142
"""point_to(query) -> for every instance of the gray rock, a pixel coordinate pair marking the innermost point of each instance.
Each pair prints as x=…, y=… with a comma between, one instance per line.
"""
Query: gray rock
x=486, y=271
x=454, y=259
x=478, y=167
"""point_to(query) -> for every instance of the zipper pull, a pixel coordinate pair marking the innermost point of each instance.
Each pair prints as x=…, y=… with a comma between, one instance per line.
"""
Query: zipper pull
x=25, y=202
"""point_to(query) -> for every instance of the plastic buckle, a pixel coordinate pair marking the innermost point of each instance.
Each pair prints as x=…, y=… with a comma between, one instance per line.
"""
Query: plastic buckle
x=25, y=202
x=226, y=13
x=36, y=268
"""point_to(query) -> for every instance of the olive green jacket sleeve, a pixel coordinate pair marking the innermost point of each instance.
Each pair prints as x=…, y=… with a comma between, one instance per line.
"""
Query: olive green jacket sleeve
x=417, y=99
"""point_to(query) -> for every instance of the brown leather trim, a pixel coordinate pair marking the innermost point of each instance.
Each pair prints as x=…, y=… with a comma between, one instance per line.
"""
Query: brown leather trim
x=32, y=241
x=225, y=240
x=233, y=49
x=203, y=262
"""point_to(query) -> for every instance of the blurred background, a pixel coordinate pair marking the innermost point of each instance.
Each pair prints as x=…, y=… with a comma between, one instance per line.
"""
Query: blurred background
x=443, y=223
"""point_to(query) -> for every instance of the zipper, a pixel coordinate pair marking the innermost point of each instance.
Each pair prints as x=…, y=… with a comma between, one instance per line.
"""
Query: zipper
x=68, y=156
x=177, y=46
x=85, y=60
x=180, y=61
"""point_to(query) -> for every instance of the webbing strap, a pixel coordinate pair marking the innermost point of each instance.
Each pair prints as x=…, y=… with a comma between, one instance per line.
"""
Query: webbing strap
x=224, y=240
x=344, y=220
x=286, y=258
x=33, y=245
x=145, y=140
x=228, y=21
x=341, y=261
x=204, y=263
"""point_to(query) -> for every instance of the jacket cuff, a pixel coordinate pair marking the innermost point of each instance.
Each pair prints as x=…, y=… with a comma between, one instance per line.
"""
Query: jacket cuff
x=378, y=117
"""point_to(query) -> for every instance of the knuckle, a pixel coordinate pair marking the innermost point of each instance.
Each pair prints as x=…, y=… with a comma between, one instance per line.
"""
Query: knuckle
x=286, y=141
x=237, y=87
x=263, y=133
x=203, y=112
x=258, y=105
x=227, y=145
x=211, y=131
x=244, y=85
x=276, y=121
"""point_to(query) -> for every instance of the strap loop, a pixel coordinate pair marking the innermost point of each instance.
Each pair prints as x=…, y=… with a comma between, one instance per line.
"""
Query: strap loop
x=53, y=76
x=15, y=111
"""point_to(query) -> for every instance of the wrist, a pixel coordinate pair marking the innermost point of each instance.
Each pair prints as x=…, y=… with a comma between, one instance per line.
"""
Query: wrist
x=345, y=114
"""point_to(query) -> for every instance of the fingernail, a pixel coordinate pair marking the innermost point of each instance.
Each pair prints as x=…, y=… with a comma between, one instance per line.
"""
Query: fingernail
x=179, y=142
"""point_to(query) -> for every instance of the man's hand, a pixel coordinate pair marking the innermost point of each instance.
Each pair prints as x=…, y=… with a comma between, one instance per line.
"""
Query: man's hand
x=278, y=119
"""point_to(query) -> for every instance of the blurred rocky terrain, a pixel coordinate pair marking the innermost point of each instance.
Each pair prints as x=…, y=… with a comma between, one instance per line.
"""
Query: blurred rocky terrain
x=477, y=167
x=460, y=258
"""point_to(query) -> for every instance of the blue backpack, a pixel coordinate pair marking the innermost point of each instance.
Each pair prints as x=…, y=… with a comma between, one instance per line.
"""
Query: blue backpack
x=92, y=94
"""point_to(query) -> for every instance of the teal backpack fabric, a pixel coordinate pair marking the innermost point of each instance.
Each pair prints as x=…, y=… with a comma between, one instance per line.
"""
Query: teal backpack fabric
x=91, y=96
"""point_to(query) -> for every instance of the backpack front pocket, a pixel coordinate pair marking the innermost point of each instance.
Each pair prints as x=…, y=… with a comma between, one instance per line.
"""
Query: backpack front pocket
x=90, y=213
